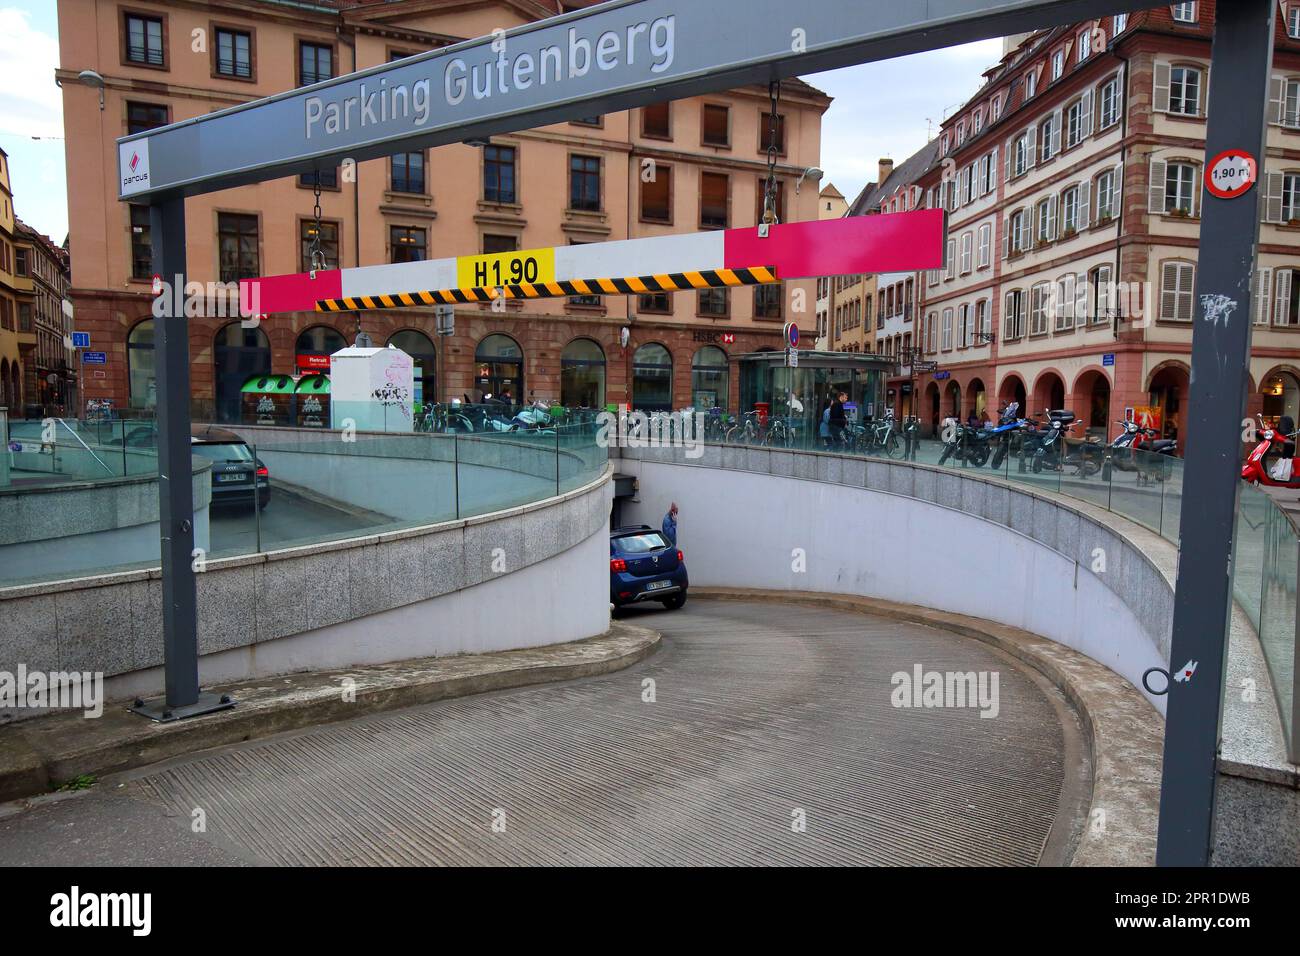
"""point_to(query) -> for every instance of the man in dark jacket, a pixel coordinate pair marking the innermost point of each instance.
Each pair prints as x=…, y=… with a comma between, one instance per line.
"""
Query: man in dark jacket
x=838, y=418
x=670, y=524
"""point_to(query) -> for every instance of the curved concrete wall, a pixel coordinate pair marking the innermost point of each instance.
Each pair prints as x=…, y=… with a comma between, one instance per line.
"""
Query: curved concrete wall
x=802, y=521
x=524, y=577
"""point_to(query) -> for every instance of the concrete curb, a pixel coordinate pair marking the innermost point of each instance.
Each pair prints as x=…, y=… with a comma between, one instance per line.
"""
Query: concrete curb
x=36, y=754
x=1124, y=732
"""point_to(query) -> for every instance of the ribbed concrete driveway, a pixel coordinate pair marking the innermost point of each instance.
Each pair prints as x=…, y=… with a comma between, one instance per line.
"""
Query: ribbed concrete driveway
x=764, y=714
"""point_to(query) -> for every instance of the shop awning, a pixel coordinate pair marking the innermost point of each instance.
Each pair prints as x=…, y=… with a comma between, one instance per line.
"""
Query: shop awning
x=269, y=385
x=314, y=385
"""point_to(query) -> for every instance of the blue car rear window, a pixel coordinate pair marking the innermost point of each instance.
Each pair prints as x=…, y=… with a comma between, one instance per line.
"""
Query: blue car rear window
x=641, y=543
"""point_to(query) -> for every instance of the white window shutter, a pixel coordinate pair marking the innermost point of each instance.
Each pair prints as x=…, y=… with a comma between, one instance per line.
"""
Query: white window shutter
x=1169, y=290
x=993, y=165
x=1263, y=285
x=1084, y=205
x=1032, y=147
x=1006, y=172
x=1156, y=192
x=1276, y=98
x=1160, y=94
x=1273, y=197
x=1282, y=297
x=1051, y=218
x=1086, y=107
x=1056, y=132
x=1006, y=237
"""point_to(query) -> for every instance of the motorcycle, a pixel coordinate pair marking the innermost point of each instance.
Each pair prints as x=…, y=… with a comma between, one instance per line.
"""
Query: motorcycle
x=1270, y=464
x=1009, y=425
x=1128, y=453
x=1051, y=449
x=964, y=443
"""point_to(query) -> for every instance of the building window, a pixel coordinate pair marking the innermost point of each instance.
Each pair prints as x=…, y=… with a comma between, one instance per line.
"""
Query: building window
x=1084, y=41
x=329, y=243
x=713, y=302
x=1063, y=307
x=657, y=195
x=329, y=179
x=1185, y=91
x=947, y=330
x=1180, y=185
x=315, y=63
x=949, y=273
x=931, y=327
x=977, y=122
x=716, y=125
x=234, y=54
x=1019, y=231
x=1049, y=138
x=407, y=244
x=967, y=252
x=1046, y=219
x=765, y=138
x=1058, y=64
x=1013, y=316
x=144, y=40
x=1021, y=155
x=20, y=261
x=1100, y=281
x=144, y=116
x=496, y=244
x=499, y=174
x=1070, y=210
x=237, y=246
x=657, y=302
x=1031, y=84
x=1291, y=103
x=1074, y=124
x=1288, y=298
x=964, y=329
x=1038, y=296
x=767, y=301
x=1119, y=23
x=582, y=375
x=408, y=173
x=1290, y=197
x=656, y=121
x=996, y=109
x=1110, y=103
x=714, y=190
x=1177, y=285
x=1106, y=196
x=982, y=259
x=982, y=320
x=1293, y=21
x=142, y=246
x=584, y=183
x=1184, y=12
x=596, y=121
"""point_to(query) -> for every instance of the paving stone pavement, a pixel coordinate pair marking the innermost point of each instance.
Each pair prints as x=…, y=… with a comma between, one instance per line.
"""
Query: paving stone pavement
x=765, y=716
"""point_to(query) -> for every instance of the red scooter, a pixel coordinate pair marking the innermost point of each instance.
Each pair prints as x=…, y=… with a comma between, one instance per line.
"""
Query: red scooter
x=1267, y=465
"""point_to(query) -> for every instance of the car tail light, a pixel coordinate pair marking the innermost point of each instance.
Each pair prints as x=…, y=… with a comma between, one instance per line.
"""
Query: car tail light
x=624, y=594
x=680, y=556
x=263, y=472
x=617, y=564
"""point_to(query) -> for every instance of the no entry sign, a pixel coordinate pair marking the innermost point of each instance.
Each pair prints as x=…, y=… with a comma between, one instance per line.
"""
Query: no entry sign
x=1231, y=174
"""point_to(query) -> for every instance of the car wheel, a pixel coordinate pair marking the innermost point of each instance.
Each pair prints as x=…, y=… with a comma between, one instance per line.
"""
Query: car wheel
x=676, y=601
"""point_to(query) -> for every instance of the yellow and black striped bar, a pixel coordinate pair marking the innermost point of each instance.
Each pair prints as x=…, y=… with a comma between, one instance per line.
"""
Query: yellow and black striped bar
x=632, y=285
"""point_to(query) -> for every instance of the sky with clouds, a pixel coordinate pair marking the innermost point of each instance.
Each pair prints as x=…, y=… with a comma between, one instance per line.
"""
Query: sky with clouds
x=880, y=109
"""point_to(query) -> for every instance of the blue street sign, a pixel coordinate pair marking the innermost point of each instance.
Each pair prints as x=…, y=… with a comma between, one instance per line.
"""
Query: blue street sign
x=94, y=358
x=1108, y=358
x=81, y=340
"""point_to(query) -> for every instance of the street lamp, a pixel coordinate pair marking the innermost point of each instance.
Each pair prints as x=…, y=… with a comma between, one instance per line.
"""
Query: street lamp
x=95, y=82
x=812, y=172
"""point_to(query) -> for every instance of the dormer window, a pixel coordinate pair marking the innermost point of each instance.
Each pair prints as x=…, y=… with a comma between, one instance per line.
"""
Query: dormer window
x=978, y=121
x=1031, y=84
x=1058, y=64
x=1184, y=12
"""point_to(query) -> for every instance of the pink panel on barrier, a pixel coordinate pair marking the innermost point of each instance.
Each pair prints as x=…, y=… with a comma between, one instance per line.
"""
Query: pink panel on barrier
x=899, y=242
x=292, y=293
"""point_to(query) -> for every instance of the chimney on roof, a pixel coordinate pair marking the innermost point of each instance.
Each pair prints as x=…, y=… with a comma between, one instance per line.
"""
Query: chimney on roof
x=886, y=167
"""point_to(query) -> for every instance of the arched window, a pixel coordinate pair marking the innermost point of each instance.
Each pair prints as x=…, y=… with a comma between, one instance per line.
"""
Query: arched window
x=500, y=369
x=710, y=378
x=238, y=353
x=140, y=376
x=421, y=349
x=582, y=375
x=652, y=379
x=315, y=346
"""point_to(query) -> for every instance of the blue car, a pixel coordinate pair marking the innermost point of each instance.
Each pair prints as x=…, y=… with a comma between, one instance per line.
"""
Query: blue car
x=645, y=566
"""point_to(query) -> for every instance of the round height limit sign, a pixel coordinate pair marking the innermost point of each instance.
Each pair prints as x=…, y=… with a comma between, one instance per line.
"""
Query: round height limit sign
x=1231, y=174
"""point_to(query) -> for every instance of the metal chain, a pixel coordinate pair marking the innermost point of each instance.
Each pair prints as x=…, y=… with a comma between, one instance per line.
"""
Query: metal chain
x=315, y=254
x=769, y=188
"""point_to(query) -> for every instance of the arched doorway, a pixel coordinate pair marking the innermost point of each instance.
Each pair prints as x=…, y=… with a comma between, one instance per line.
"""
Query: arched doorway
x=976, y=397
x=1168, y=392
x=1049, y=394
x=1091, y=402
x=1281, y=392
x=952, y=401
x=314, y=347
x=582, y=375
x=425, y=356
x=238, y=354
x=500, y=369
x=1011, y=390
x=710, y=379
x=652, y=379
x=932, y=408
x=142, y=384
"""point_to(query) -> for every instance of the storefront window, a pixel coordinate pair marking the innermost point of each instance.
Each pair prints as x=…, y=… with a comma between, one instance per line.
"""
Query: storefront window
x=239, y=353
x=710, y=379
x=422, y=351
x=652, y=379
x=499, y=369
x=140, y=366
x=582, y=375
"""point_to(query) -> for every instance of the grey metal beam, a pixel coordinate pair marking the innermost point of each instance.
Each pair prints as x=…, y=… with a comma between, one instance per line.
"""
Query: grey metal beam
x=715, y=45
x=1241, y=63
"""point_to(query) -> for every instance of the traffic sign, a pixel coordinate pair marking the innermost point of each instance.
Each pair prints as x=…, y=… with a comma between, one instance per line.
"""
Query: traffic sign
x=792, y=334
x=81, y=340
x=792, y=357
x=1108, y=358
x=1231, y=174
x=922, y=368
x=94, y=358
